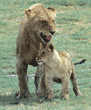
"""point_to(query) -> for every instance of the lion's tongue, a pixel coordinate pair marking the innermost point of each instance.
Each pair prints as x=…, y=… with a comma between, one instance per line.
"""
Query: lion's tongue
x=48, y=37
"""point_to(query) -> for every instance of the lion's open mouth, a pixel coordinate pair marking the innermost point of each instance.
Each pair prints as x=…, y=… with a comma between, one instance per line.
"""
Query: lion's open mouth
x=40, y=62
x=45, y=38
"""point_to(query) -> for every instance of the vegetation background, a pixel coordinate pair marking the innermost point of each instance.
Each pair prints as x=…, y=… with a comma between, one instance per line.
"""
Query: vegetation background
x=73, y=34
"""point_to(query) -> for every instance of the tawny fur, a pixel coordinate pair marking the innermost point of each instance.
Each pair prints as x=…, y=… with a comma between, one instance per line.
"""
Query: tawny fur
x=59, y=68
x=37, y=26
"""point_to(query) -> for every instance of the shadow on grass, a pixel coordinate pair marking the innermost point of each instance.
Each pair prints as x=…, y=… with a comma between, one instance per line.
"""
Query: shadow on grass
x=8, y=99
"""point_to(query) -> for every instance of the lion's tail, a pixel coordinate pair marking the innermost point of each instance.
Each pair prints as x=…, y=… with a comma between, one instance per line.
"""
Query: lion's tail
x=80, y=62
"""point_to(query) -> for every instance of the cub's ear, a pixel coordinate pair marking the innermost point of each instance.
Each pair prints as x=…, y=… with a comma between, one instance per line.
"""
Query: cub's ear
x=27, y=12
x=52, y=9
x=51, y=47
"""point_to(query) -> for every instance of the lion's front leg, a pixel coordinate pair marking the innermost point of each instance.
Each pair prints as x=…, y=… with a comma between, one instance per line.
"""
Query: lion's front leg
x=65, y=87
x=49, y=87
x=22, y=79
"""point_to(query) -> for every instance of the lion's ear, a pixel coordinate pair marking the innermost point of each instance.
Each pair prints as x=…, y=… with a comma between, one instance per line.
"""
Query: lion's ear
x=52, y=9
x=27, y=12
x=51, y=47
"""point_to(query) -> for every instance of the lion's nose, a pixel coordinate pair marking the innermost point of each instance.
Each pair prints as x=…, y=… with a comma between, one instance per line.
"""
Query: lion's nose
x=52, y=32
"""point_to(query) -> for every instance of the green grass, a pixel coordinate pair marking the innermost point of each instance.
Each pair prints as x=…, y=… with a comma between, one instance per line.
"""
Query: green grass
x=73, y=34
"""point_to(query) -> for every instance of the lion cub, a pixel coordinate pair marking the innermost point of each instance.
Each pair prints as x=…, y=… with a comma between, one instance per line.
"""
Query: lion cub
x=59, y=68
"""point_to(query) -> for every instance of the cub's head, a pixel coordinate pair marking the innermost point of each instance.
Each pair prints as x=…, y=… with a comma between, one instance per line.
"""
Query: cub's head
x=42, y=21
x=45, y=54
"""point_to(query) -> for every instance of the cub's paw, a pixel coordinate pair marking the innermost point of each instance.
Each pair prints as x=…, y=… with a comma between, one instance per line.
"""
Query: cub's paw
x=79, y=93
x=65, y=97
x=51, y=98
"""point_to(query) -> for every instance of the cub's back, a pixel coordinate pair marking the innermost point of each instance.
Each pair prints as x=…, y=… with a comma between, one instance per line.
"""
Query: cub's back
x=64, y=54
x=66, y=58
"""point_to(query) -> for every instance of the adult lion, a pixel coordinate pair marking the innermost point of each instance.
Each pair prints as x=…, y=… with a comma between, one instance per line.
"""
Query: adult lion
x=37, y=26
x=59, y=68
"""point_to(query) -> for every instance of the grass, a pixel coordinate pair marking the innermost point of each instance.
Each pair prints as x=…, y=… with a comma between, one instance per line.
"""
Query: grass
x=9, y=88
x=73, y=35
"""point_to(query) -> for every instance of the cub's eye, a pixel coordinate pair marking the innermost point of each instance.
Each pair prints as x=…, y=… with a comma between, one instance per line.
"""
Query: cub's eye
x=53, y=21
x=44, y=22
x=29, y=10
x=43, y=53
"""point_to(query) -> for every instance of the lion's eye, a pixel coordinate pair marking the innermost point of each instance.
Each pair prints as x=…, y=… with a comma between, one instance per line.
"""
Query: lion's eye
x=44, y=22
